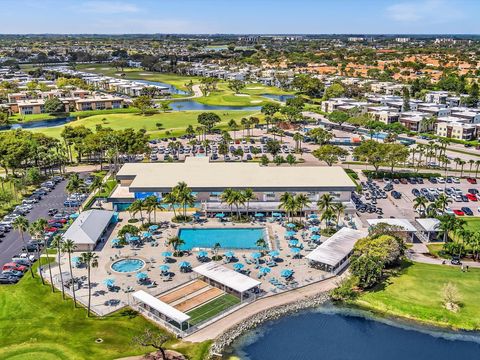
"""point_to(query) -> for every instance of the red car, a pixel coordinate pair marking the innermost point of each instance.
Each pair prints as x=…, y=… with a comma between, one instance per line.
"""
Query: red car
x=472, y=180
x=458, y=212
x=54, y=221
x=14, y=266
x=471, y=197
x=51, y=229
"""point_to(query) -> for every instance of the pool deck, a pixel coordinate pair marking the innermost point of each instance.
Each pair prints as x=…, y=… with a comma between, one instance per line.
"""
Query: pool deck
x=105, y=301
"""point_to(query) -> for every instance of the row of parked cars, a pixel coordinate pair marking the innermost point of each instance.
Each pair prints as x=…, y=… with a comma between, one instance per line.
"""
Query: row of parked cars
x=372, y=192
x=13, y=271
x=27, y=204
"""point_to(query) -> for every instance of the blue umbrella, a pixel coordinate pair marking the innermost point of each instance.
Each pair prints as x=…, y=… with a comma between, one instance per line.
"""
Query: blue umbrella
x=290, y=233
x=220, y=215
x=115, y=242
x=141, y=275
x=291, y=225
x=238, y=266
x=256, y=255
x=274, y=253
x=76, y=260
x=229, y=254
x=259, y=215
x=202, y=254
x=133, y=238
x=313, y=228
x=295, y=250
x=153, y=227
x=265, y=270
x=293, y=242
x=315, y=237
x=146, y=234
x=312, y=216
x=164, y=268
x=185, y=264
x=276, y=214
x=73, y=216
x=286, y=273
x=109, y=282
x=166, y=254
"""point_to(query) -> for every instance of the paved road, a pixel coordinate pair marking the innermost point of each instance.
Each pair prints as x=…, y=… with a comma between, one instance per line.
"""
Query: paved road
x=12, y=243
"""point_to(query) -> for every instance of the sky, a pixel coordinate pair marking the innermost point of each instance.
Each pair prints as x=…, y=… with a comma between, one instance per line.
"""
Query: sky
x=240, y=16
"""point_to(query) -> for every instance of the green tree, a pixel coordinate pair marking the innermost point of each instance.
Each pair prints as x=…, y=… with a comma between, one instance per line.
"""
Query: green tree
x=21, y=224
x=329, y=153
x=143, y=103
x=90, y=260
x=54, y=106
x=69, y=246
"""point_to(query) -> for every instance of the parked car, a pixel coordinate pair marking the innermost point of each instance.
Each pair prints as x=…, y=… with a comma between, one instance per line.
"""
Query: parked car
x=396, y=194
x=467, y=211
x=14, y=266
x=472, y=180
x=458, y=212
x=8, y=279
x=471, y=197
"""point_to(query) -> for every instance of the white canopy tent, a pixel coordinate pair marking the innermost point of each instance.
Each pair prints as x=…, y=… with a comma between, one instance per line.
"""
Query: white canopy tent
x=332, y=255
x=226, y=279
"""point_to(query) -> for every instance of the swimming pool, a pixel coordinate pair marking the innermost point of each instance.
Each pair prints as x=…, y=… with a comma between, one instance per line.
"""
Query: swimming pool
x=228, y=238
x=128, y=265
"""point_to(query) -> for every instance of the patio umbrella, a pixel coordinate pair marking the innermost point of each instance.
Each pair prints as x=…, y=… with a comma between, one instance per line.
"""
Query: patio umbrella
x=259, y=215
x=291, y=225
x=220, y=215
x=265, y=270
x=164, y=268
x=238, y=266
x=295, y=250
x=141, y=275
x=153, y=227
x=185, y=264
x=313, y=228
x=276, y=214
x=202, y=254
x=229, y=254
x=274, y=253
x=146, y=234
x=133, y=238
x=76, y=260
x=313, y=216
x=315, y=237
x=115, y=242
x=73, y=216
x=286, y=273
x=256, y=255
x=290, y=233
x=109, y=282
x=293, y=242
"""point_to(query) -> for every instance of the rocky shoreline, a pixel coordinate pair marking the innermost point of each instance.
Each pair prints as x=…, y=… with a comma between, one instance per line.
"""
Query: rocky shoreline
x=229, y=336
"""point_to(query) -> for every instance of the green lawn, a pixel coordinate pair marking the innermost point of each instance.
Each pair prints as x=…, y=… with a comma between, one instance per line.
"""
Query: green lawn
x=36, y=324
x=212, y=308
x=473, y=223
x=17, y=118
x=175, y=122
x=417, y=294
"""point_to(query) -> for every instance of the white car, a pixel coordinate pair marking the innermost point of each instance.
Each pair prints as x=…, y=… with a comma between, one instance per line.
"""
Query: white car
x=449, y=211
x=456, y=180
x=441, y=180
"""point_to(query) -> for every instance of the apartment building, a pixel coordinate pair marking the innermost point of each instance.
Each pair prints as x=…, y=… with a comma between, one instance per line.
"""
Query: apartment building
x=456, y=128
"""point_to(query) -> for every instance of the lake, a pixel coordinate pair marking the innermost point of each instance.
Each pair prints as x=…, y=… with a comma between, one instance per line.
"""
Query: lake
x=172, y=89
x=331, y=335
x=181, y=105
x=282, y=98
x=39, y=123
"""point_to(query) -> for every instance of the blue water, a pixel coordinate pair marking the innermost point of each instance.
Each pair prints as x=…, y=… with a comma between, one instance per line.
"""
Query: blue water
x=181, y=105
x=172, y=89
x=128, y=265
x=39, y=124
x=282, y=98
x=241, y=238
x=334, y=336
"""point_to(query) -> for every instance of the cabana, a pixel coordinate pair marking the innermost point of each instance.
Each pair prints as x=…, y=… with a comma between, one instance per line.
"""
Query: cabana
x=228, y=280
x=429, y=229
x=161, y=312
x=333, y=254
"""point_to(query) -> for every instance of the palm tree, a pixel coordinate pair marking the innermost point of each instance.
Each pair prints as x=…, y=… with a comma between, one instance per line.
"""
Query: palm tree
x=57, y=241
x=477, y=166
x=287, y=203
x=420, y=202
x=90, y=260
x=298, y=137
x=175, y=242
x=69, y=247
x=338, y=208
x=233, y=126
x=170, y=200
x=238, y=200
x=261, y=244
x=227, y=198
x=447, y=224
x=325, y=204
x=462, y=164
x=248, y=195
x=443, y=201
x=150, y=204
x=302, y=201
x=183, y=196
x=136, y=207
x=21, y=224
x=35, y=232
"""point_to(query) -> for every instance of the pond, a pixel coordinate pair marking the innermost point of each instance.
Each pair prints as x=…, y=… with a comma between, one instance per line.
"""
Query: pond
x=328, y=334
x=39, y=123
x=172, y=89
x=181, y=105
x=282, y=98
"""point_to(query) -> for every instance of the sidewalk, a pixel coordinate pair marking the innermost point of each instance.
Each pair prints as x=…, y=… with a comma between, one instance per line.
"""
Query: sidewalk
x=418, y=253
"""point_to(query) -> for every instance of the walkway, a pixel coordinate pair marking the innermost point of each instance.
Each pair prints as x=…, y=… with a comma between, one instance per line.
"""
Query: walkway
x=418, y=252
x=197, y=92
x=217, y=328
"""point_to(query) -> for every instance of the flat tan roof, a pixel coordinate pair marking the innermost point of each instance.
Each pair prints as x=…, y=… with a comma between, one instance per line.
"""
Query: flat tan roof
x=200, y=173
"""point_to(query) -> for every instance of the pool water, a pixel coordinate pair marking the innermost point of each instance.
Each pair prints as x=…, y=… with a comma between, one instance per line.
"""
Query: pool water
x=128, y=265
x=241, y=238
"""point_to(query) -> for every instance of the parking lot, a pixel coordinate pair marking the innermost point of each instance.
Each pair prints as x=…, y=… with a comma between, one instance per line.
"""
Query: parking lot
x=402, y=207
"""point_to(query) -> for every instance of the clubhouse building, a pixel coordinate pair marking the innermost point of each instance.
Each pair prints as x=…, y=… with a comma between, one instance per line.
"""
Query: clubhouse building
x=208, y=180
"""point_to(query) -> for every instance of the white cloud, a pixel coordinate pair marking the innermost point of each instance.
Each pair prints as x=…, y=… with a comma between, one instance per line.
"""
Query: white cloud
x=428, y=11
x=108, y=7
